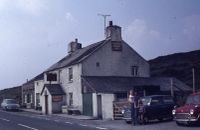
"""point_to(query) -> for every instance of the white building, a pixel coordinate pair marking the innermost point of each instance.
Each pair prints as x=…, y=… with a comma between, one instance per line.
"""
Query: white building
x=89, y=79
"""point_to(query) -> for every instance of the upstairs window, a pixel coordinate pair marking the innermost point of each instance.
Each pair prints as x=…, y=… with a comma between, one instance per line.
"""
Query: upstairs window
x=70, y=74
x=135, y=71
x=97, y=64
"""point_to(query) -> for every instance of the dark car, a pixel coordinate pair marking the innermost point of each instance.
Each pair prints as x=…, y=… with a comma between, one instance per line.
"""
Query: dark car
x=156, y=107
x=9, y=104
x=190, y=112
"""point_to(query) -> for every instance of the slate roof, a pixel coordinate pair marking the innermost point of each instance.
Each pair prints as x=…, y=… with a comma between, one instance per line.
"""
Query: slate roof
x=31, y=82
x=76, y=56
x=54, y=89
x=110, y=84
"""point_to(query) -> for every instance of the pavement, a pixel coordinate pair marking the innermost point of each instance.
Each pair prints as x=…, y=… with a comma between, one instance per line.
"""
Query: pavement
x=65, y=115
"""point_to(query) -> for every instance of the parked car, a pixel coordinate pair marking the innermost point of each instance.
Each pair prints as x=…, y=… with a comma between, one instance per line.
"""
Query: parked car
x=9, y=104
x=156, y=107
x=190, y=112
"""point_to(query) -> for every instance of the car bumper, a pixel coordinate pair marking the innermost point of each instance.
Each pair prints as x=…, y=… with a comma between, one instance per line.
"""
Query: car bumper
x=126, y=118
x=12, y=108
x=185, y=117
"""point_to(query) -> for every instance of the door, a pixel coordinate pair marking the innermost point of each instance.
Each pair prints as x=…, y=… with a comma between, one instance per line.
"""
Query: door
x=46, y=104
x=87, y=104
x=155, y=108
x=99, y=107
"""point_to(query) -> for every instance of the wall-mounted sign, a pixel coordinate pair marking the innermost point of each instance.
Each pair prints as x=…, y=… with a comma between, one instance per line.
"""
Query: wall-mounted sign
x=116, y=46
x=51, y=77
x=57, y=98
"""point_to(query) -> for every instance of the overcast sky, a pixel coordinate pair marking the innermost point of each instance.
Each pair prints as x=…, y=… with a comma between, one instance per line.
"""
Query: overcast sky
x=34, y=33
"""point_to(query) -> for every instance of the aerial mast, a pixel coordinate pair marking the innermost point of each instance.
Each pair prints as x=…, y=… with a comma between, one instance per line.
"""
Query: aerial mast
x=104, y=18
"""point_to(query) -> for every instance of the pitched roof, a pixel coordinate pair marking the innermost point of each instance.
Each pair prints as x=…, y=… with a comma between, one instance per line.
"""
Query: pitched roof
x=54, y=89
x=110, y=84
x=38, y=77
x=76, y=56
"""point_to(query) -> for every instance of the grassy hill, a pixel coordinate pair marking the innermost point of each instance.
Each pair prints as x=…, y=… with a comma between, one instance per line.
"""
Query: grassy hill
x=178, y=65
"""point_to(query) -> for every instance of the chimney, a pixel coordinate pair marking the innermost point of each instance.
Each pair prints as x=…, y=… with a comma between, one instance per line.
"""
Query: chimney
x=113, y=32
x=73, y=46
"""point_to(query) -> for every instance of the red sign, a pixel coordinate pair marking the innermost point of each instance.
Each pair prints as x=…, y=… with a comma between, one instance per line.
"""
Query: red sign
x=116, y=46
x=57, y=98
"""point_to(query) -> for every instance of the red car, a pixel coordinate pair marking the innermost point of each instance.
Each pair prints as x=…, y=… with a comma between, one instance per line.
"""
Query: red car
x=190, y=112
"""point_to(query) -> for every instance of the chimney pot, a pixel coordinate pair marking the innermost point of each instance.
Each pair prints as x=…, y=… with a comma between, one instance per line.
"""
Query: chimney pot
x=76, y=40
x=113, y=32
x=110, y=23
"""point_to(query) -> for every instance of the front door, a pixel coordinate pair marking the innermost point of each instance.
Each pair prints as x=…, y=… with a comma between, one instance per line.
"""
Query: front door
x=99, y=107
x=46, y=104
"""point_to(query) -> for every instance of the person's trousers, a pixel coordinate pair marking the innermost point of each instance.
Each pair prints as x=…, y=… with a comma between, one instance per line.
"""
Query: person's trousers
x=134, y=114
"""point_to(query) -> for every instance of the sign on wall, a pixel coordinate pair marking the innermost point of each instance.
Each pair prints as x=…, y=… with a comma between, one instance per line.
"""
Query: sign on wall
x=51, y=77
x=57, y=98
x=116, y=46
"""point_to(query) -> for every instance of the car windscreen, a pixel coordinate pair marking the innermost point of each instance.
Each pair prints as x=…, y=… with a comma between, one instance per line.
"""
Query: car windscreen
x=193, y=99
x=145, y=101
x=11, y=102
x=168, y=100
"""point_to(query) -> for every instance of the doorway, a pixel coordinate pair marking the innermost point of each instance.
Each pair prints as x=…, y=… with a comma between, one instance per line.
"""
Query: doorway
x=46, y=104
x=99, y=106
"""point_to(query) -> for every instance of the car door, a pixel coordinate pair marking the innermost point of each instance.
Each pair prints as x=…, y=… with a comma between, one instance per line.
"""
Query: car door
x=168, y=105
x=155, y=108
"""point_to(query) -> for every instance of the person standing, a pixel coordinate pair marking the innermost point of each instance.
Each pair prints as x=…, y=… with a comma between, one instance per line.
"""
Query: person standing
x=136, y=98
x=132, y=101
x=141, y=112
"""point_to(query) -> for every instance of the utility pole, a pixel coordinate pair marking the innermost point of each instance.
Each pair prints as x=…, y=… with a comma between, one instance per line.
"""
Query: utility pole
x=104, y=18
x=193, y=79
x=172, y=89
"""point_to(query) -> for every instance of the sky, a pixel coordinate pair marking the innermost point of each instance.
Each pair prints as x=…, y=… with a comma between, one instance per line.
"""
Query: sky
x=34, y=33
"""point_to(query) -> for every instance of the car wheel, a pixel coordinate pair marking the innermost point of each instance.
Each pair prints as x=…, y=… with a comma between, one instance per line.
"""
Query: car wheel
x=128, y=122
x=171, y=118
x=178, y=123
x=160, y=119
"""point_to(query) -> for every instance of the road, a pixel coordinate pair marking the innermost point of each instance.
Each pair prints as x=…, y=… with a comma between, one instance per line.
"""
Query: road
x=14, y=121
x=30, y=121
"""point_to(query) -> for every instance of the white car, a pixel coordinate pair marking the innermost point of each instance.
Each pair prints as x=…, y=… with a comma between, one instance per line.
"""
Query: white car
x=9, y=104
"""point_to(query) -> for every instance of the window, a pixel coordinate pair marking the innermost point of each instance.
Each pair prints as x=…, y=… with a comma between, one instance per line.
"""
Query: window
x=97, y=64
x=31, y=98
x=156, y=101
x=70, y=99
x=70, y=74
x=25, y=98
x=28, y=98
x=59, y=72
x=135, y=71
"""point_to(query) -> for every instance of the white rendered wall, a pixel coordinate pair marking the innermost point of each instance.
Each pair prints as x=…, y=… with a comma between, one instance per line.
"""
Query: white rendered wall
x=38, y=89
